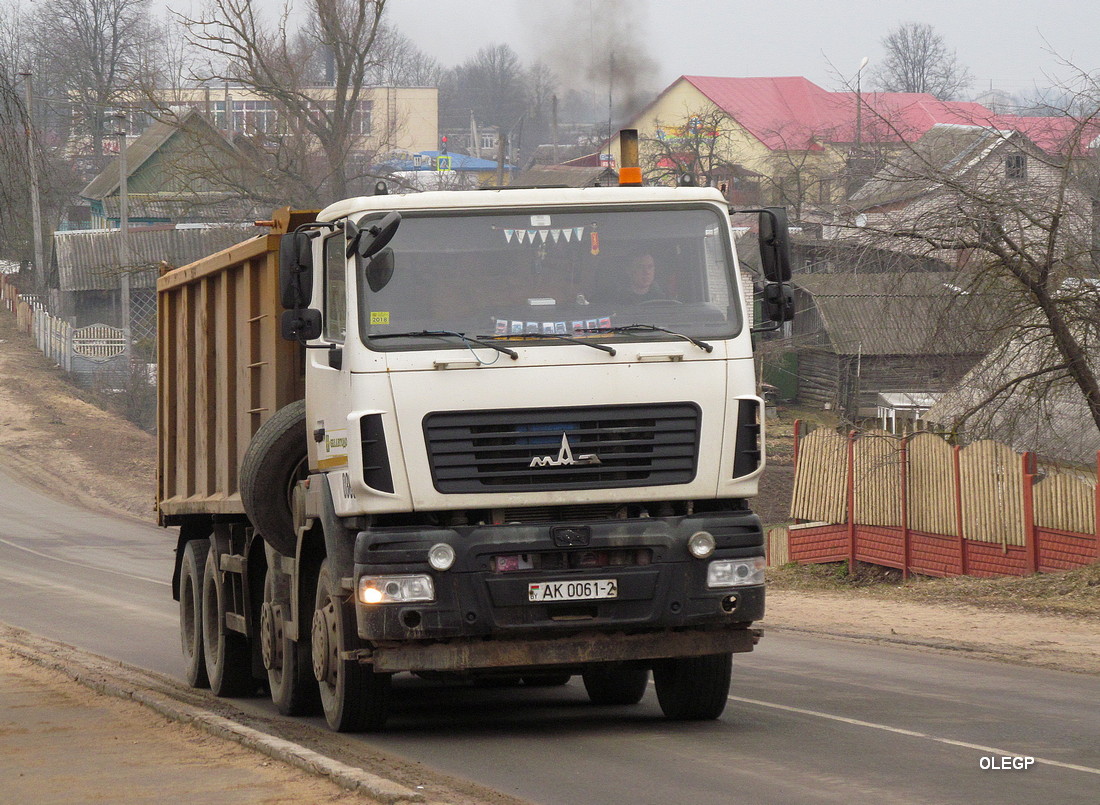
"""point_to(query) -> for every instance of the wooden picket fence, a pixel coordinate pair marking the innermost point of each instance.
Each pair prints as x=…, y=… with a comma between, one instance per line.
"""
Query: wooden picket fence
x=921, y=505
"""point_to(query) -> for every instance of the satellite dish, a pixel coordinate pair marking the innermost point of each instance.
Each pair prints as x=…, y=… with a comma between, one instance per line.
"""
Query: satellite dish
x=861, y=220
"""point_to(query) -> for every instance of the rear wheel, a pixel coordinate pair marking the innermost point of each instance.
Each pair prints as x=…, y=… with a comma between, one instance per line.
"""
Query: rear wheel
x=615, y=684
x=354, y=698
x=192, y=570
x=288, y=662
x=693, y=688
x=228, y=660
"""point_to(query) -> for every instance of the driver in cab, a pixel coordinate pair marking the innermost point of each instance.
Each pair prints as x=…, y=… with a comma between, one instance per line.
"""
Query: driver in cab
x=642, y=279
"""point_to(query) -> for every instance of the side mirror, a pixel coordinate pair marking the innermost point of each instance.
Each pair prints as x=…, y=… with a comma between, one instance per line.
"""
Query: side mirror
x=295, y=270
x=378, y=270
x=778, y=302
x=368, y=242
x=300, y=325
x=775, y=246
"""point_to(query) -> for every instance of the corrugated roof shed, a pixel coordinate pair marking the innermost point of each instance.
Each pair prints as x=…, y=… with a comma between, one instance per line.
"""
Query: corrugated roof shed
x=943, y=150
x=87, y=260
x=923, y=313
x=204, y=207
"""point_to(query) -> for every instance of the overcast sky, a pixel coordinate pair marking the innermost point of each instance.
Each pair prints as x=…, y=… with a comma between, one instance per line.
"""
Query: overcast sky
x=1005, y=44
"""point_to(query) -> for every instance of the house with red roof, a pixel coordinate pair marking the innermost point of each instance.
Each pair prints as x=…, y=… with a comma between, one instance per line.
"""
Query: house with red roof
x=782, y=140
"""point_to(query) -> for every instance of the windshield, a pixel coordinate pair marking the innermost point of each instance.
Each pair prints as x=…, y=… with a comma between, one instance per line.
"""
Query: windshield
x=501, y=273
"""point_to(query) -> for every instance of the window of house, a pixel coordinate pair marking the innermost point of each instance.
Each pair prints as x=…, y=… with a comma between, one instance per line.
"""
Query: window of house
x=1016, y=167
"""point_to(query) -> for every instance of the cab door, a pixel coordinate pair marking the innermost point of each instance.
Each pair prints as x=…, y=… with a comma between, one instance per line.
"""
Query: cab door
x=328, y=389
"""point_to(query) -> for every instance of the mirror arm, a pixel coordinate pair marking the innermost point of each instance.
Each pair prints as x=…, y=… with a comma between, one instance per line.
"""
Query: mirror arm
x=770, y=327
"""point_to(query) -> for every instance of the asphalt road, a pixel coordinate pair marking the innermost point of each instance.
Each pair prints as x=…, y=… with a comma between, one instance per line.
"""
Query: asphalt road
x=810, y=720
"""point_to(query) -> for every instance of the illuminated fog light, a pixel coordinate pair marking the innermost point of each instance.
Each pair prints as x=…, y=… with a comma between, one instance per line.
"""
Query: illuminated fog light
x=441, y=556
x=736, y=572
x=701, y=544
x=396, y=589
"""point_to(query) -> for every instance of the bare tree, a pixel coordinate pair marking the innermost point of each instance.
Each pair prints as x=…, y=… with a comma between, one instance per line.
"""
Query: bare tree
x=1022, y=223
x=336, y=49
x=97, y=47
x=696, y=145
x=401, y=63
x=29, y=135
x=918, y=60
x=492, y=83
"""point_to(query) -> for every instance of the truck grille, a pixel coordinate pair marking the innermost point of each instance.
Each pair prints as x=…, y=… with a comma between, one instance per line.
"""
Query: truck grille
x=563, y=448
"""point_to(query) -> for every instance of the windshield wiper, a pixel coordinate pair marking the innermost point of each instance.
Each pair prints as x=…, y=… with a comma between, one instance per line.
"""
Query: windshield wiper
x=557, y=336
x=634, y=328
x=468, y=339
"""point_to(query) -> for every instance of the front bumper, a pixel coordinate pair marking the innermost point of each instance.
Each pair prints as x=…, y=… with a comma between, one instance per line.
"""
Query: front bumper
x=666, y=600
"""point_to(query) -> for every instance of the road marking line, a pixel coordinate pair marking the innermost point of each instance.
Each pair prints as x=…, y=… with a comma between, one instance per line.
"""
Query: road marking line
x=910, y=733
x=82, y=564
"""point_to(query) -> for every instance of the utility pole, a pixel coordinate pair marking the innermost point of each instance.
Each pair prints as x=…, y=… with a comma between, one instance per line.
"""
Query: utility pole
x=36, y=206
x=475, y=143
x=859, y=105
x=554, y=124
x=124, y=228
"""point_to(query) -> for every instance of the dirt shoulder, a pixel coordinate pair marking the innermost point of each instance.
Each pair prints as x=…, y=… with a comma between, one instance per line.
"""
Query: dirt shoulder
x=1060, y=642
x=54, y=437
x=51, y=435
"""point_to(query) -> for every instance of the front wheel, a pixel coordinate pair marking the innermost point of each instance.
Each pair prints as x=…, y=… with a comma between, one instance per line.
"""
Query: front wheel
x=693, y=688
x=354, y=698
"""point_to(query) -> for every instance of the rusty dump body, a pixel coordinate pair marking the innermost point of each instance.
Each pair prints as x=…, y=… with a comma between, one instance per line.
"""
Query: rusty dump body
x=223, y=370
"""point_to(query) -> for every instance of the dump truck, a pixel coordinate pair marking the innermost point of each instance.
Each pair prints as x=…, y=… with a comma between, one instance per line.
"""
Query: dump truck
x=443, y=434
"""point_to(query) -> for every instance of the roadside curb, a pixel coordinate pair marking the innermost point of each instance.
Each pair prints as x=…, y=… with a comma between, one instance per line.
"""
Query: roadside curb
x=122, y=681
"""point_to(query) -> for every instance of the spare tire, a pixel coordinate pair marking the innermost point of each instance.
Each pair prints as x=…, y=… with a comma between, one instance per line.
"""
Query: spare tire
x=276, y=459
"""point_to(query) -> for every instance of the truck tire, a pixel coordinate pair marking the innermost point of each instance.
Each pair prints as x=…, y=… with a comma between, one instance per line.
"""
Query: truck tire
x=615, y=685
x=192, y=570
x=354, y=698
x=288, y=662
x=273, y=463
x=226, y=653
x=693, y=688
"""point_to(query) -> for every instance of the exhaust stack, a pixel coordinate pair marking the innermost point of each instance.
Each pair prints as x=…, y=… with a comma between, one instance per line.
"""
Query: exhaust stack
x=630, y=174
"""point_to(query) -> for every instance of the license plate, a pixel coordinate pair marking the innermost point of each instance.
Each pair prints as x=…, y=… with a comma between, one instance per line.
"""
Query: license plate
x=572, y=590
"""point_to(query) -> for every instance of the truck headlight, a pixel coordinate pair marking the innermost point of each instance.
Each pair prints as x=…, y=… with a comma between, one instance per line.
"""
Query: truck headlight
x=736, y=572
x=396, y=589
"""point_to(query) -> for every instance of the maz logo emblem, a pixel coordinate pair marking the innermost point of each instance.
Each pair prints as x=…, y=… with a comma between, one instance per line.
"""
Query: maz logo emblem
x=565, y=457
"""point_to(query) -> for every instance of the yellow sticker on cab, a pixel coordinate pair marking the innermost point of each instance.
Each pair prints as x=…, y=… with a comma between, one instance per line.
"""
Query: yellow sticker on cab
x=379, y=317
